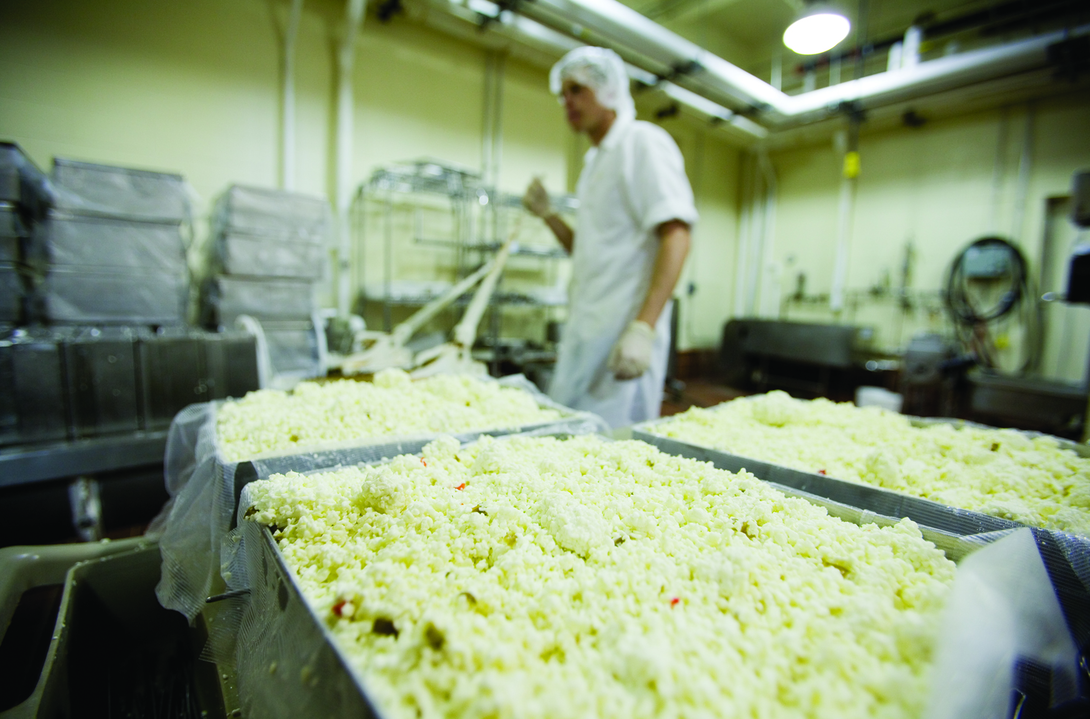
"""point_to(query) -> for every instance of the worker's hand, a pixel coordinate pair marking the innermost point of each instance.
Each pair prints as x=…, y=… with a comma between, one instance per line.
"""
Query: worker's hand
x=536, y=199
x=631, y=356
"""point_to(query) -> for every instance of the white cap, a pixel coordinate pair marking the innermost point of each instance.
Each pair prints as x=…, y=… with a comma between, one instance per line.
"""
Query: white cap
x=601, y=70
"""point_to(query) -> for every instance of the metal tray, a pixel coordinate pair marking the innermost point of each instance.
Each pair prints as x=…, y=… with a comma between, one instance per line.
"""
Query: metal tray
x=89, y=188
x=881, y=501
x=11, y=294
x=107, y=244
x=261, y=256
x=312, y=677
x=80, y=297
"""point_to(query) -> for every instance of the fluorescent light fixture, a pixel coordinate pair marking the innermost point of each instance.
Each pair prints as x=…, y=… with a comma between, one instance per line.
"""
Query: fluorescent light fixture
x=816, y=32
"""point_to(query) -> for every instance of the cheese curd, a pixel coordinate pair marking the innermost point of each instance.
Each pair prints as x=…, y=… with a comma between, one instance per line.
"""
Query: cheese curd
x=1000, y=472
x=536, y=577
x=325, y=414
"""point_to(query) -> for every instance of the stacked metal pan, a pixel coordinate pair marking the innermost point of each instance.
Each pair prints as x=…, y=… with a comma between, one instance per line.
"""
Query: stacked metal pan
x=111, y=250
x=269, y=252
x=24, y=196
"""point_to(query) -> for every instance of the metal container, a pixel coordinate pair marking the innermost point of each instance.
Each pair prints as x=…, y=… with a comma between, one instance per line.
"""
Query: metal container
x=21, y=182
x=89, y=188
x=11, y=234
x=293, y=348
x=313, y=678
x=107, y=244
x=35, y=367
x=258, y=210
x=230, y=360
x=226, y=298
x=172, y=376
x=12, y=294
x=270, y=256
x=100, y=369
x=132, y=298
x=866, y=497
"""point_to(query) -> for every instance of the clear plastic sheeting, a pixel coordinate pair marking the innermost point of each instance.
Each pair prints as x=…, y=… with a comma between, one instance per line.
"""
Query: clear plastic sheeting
x=107, y=243
x=269, y=256
x=89, y=188
x=1002, y=621
x=204, y=488
x=226, y=298
x=256, y=210
x=137, y=298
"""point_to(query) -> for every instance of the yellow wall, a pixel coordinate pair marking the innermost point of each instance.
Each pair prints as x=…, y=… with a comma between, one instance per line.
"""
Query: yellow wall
x=934, y=187
x=195, y=88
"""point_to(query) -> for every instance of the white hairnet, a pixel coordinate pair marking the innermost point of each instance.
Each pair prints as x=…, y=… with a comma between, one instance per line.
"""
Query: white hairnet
x=601, y=70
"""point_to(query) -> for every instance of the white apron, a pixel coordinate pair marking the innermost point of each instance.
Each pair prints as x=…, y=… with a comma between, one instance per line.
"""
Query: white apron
x=632, y=183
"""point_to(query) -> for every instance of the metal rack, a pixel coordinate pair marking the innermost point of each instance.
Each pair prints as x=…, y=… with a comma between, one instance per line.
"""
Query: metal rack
x=481, y=217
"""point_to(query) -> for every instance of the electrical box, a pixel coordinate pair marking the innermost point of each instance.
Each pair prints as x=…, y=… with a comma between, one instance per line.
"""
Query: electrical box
x=986, y=262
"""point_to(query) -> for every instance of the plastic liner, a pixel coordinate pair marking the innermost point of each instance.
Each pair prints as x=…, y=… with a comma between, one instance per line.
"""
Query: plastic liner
x=22, y=183
x=100, y=243
x=226, y=298
x=11, y=294
x=265, y=256
x=883, y=501
x=263, y=211
x=1007, y=647
x=78, y=297
x=89, y=188
x=204, y=487
x=1009, y=640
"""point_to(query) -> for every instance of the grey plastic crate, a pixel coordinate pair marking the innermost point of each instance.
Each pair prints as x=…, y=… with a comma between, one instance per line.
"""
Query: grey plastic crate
x=120, y=191
x=133, y=298
x=269, y=256
x=260, y=210
x=101, y=243
x=12, y=294
x=264, y=298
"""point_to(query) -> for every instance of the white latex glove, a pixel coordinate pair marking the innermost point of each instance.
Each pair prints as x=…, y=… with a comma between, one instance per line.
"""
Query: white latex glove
x=631, y=356
x=536, y=199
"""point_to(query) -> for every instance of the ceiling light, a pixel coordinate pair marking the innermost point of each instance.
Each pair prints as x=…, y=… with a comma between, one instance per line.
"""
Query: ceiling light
x=818, y=30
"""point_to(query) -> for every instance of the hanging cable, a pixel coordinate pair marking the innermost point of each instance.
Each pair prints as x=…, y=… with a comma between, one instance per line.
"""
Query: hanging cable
x=971, y=322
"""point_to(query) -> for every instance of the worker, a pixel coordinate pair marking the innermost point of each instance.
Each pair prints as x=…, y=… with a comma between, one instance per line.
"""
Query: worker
x=630, y=241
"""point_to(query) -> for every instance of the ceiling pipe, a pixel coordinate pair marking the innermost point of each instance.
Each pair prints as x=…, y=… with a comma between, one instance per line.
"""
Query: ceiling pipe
x=931, y=76
x=519, y=29
x=628, y=28
x=625, y=27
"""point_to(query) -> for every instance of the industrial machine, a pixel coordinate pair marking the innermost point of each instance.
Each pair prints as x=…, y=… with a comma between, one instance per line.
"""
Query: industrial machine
x=806, y=359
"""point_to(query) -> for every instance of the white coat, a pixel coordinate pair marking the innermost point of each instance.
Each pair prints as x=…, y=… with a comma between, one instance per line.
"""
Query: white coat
x=631, y=183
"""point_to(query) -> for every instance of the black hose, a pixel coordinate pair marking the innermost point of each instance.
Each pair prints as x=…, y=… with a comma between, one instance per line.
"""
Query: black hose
x=961, y=308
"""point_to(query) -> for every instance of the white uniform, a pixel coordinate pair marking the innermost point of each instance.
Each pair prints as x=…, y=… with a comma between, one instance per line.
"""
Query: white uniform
x=631, y=183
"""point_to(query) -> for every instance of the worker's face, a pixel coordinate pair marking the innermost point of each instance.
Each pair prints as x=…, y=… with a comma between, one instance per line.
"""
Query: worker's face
x=581, y=106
